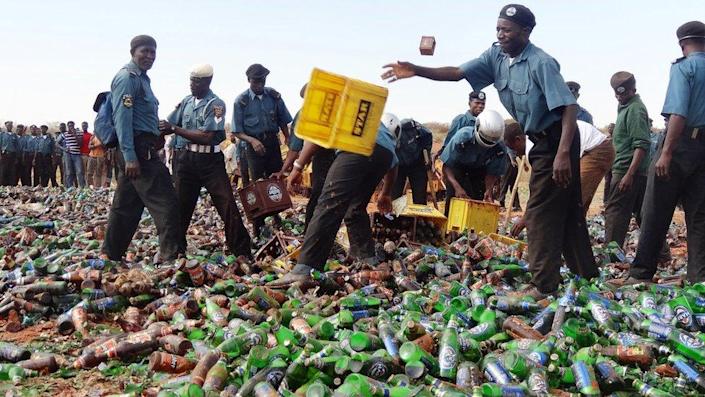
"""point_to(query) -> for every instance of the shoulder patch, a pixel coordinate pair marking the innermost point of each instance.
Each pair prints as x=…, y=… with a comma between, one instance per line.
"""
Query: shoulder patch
x=677, y=60
x=218, y=111
x=127, y=101
x=178, y=105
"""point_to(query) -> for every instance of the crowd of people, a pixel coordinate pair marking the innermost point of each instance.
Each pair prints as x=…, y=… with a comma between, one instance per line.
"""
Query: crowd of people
x=648, y=175
x=68, y=157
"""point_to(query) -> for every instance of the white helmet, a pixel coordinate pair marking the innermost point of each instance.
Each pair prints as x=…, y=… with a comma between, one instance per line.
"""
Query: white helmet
x=489, y=127
x=391, y=121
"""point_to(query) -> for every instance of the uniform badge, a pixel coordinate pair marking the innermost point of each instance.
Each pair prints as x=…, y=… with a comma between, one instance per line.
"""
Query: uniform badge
x=511, y=11
x=127, y=100
x=481, y=96
x=218, y=111
x=620, y=90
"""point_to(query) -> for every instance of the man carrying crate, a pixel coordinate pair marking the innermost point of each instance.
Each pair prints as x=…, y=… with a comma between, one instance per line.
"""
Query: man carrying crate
x=532, y=89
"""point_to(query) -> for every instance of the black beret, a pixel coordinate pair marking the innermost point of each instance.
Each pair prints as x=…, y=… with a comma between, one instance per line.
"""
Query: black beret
x=141, y=40
x=479, y=95
x=622, y=81
x=573, y=86
x=256, y=71
x=691, y=30
x=518, y=14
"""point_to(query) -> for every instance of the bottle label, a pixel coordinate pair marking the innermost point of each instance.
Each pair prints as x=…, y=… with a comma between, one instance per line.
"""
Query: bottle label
x=537, y=383
x=479, y=329
x=378, y=370
x=539, y=357
x=686, y=370
x=448, y=357
x=683, y=316
x=658, y=331
x=690, y=341
x=496, y=373
x=582, y=375
x=648, y=302
x=599, y=313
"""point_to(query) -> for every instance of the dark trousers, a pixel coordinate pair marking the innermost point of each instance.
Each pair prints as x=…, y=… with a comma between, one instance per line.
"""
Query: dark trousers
x=621, y=206
x=57, y=163
x=320, y=164
x=417, y=174
x=351, y=181
x=152, y=189
x=508, y=181
x=42, y=164
x=8, y=171
x=555, y=218
x=608, y=183
x=471, y=180
x=687, y=184
x=195, y=170
x=261, y=167
x=24, y=169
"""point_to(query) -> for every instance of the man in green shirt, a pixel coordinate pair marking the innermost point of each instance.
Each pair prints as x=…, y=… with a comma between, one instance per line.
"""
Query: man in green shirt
x=631, y=139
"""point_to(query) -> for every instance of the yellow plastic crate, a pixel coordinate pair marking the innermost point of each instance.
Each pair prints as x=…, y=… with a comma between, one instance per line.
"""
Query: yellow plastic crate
x=467, y=214
x=521, y=246
x=341, y=113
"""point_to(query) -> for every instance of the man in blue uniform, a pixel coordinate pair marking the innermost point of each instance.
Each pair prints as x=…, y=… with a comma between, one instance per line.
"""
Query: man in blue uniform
x=258, y=115
x=349, y=185
x=532, y=89
x=26, y=154
x=476, y=105
x=583, y=114
x=475, y=158
x=678, y=172
x=144, y=180
x=42, y=157
x=199, y=124
x=9, y=149
x=8, y=129
x=414, y=143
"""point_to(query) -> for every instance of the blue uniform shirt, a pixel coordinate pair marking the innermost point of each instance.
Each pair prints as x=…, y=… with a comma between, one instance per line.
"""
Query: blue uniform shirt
x=463, y=152
x=584, y=115
x=387, y=141
x=412, y=141
x=686, y=90
x=10, y=143
x=44, y=144
x=462, y=120
x=257, y=115
x=26, y=144
x=295, y=143
x=206, y=115
x=135, y=108
x=531, y=88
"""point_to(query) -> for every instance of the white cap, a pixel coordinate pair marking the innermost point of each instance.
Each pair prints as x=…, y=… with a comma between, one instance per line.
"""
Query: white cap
x=200, y=71
x=490, y=128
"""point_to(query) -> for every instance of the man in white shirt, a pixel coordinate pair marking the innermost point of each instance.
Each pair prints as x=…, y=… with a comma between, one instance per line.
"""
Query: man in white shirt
x=596, y=158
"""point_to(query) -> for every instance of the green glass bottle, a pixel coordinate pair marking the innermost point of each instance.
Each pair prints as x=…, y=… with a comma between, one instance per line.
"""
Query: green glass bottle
x=448, y=353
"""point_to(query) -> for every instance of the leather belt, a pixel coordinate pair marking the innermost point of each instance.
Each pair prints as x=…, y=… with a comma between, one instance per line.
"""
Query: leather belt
x=192, y=147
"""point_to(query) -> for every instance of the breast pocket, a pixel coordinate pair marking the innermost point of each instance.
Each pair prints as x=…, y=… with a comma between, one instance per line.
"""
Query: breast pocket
x=518, y=85
x=251, y=120
x=187, y=121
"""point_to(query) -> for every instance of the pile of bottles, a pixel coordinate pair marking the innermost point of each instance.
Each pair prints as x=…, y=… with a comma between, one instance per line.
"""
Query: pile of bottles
x=426, y=321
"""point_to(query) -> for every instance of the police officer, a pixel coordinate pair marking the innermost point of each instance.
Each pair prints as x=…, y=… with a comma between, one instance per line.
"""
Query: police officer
x=9, y=148
x=258, y=115
x=631, y=140
x=199, y=124
x=349, y=185
x=414, y=143
x=476, y=105
x=44, y=148
x=144, y=180
x=57, y=158
x=320, y=164
x=583, y=114
x=475, y=158
x=25, y=156
x=531, y=88
x=678, y=172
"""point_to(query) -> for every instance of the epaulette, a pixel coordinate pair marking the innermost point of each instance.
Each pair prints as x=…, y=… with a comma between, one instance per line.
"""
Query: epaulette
x=243, y=100
x=273, y=92
x=677, y=60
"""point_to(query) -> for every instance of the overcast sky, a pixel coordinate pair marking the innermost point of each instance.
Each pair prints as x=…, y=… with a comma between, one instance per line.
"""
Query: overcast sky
x=59, y=54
